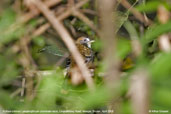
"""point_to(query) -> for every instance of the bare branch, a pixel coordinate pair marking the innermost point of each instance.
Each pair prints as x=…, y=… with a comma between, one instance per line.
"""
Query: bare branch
x=139, y=92
x=51, y=3
x=26, y=17
x=84, y=19
x=88, y=11
x=136, y=13
x=107, y=35
x=64, y=15
x=69, y=11
x=41, y=30
x=108, y=38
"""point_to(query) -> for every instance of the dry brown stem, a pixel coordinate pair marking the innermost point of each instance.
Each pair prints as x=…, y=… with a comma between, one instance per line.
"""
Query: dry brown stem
x=50, y=3
x=26, y=17
x=62, y=16
x=85, y=19
x=108, y=38
x=58, y=26
x=136, y=47
x=88, y=11
x=139, y=92
x=23, y=87
x=28, y=64
x=41, y=30
x=107, y=35
x=70, y=10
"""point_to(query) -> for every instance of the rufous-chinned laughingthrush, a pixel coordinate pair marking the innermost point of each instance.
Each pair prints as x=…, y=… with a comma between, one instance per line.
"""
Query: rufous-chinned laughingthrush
x=84, y=47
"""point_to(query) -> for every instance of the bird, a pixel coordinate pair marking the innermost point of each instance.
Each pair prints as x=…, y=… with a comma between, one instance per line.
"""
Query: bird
x=84, y=47
x=71, y=69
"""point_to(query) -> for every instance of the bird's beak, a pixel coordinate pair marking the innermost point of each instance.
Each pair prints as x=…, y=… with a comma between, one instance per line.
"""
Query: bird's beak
x=89, y=43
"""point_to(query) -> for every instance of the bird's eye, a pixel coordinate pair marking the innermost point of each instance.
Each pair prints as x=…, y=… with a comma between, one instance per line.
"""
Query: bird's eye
x=85, y=40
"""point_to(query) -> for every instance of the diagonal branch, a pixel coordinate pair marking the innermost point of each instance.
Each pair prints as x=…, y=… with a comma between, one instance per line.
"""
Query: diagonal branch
x=136, y=13
x=84, y=19
x=65, y=36
x=64, y=15
x=70, y=10
x=26, y=17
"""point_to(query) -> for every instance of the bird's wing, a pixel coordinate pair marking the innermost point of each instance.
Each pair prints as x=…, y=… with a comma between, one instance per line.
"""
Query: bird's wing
x=53, y=49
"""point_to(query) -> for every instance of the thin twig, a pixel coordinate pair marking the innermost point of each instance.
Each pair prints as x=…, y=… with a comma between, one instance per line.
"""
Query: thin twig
x=26, y=17
x=88, y=11
x=41, y=30
x=85, y=19
x=136, y=13
x=40, y=75
x=58, y=26
x=23, y=87
x=50, y=3
x=60, y=61
x=69, y=11
x=27, y=62
x=64, y=15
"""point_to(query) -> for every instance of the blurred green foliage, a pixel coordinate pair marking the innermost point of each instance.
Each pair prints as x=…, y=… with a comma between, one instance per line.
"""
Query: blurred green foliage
x=10, y=28
x=152, y=6
x=54, y=92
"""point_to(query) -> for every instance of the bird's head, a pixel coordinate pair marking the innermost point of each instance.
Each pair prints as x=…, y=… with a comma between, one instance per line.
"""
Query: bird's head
x=84, y=41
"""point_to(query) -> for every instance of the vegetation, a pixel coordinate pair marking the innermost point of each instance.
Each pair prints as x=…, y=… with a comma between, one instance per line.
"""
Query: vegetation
x=132, y=54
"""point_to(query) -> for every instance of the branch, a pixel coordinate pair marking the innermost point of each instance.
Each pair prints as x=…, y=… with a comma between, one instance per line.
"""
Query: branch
x=109, y=40
x=107, y=36
x=86, y=20
x=139, y=91
x=26, y=17
x=88, y=11
x=136, y=13
x=50, y=3
x=70, y=10
x=58, y=26
x=64, y=15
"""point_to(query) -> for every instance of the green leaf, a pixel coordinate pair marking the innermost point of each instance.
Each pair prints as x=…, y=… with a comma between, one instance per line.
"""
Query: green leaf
x=126, y=107
x=131, y=30
x=10, y=27
x=39, y=41
x=161, y=97
x=48, y=91
x=151, y=6
x=8, y=70
x=160, y=67
x=123, y=48
x=155, y=31
x=7, y=102
x=7, y=18
x=120, y=19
